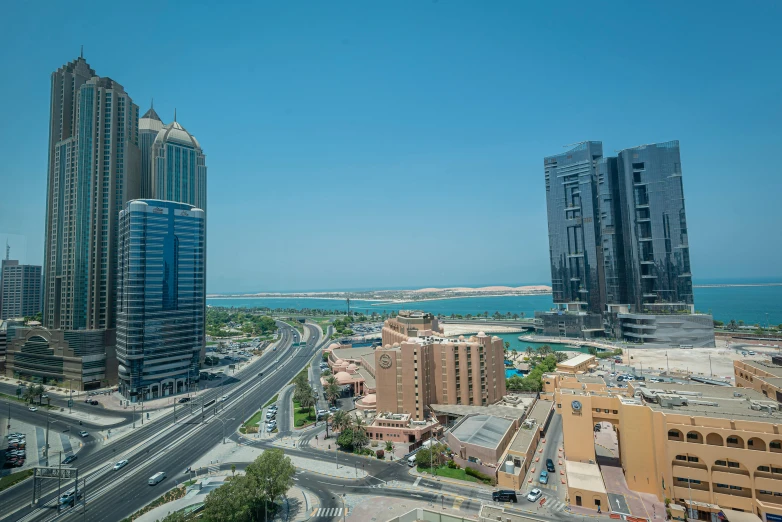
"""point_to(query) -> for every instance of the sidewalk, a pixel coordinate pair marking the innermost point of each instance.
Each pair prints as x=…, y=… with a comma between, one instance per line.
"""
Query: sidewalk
x=233, y=452
x=414, y=471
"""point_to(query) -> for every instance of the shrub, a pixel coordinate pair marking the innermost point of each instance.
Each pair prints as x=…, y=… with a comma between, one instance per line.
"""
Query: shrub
x=453, y=465
x=374, y=444
x=380, y=454
x=477, y=474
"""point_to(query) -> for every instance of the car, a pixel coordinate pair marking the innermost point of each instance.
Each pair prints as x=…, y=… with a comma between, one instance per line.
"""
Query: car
x=321, y=412
x=260, y=374
x=550, y=465
x=224, y=398
x=270, y=414
x=83, y=433
x=184, y=400
x=504, y=495
x=120, y=464
x=273, y=407
x=543, y=479
x=598, y=427
x=752, y=353
x=94, y=402
x=69, y=498
x=620, y=378
x=15, y=436
x=534, y=495
x=32, y=408
x=333, y=408
x=270, y=428
x=272, y=423
x=69, y=459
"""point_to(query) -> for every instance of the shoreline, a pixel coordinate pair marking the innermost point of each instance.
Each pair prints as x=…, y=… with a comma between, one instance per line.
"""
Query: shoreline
x=375, y=301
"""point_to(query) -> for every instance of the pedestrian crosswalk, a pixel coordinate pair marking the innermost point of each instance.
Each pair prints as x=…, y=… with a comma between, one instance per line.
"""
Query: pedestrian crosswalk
x=555, y=505
x=329, y=512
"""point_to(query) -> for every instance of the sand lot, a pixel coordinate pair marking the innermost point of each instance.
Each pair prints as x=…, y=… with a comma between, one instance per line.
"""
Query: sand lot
x=695, y=360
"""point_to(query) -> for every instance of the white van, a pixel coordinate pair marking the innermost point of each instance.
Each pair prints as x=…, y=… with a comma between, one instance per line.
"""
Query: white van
x=157, y=478
x=411, y=461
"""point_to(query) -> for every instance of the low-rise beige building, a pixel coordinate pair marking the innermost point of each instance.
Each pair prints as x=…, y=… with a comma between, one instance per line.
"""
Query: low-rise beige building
x=709, y=448
x=581, y=363
x=519, y=455
x=762, y=376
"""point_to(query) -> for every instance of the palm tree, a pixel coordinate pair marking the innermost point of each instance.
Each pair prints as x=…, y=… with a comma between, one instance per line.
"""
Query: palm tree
x=306, y=402
x=341, y=420
x=332, y=392
x=389, y=446
x=515, y=316
x=530, y=352
x=360, y=437
x=29, y=394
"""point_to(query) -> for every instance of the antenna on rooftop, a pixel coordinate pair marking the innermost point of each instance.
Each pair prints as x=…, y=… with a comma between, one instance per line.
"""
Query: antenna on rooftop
x=81, y=52
x=7, y=250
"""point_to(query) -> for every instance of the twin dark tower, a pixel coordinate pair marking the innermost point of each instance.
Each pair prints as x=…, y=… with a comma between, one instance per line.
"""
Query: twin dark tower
x=618, y=239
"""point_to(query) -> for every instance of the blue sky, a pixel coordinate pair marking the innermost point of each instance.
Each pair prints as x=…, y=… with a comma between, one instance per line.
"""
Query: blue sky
x=393, y=144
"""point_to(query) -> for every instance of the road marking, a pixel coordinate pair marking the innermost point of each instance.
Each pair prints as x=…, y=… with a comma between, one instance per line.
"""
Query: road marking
x=457, y=502
x=417, y=481
x=328, y=512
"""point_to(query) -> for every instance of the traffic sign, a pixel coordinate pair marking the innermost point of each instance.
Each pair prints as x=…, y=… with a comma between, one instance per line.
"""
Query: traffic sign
x=63, y=473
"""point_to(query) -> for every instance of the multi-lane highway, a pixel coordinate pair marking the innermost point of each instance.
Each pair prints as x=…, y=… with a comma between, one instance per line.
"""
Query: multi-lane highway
x=165, y=445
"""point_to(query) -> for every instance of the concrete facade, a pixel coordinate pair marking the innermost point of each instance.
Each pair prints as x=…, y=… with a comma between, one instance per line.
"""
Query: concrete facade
x=20, y=289
x=721, y=447
x=579, y=364
x=413, y=372
x=761, y=376
x=58, y=356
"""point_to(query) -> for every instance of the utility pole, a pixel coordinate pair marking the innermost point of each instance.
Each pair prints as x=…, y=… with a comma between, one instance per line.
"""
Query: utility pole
x=46, y=448
x=84, y=504
x=59, y=482
x=711, y=374
x=134, y=416
x=70, y=390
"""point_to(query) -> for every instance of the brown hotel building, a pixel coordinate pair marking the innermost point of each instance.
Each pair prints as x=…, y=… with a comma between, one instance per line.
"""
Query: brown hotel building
x=417, y=367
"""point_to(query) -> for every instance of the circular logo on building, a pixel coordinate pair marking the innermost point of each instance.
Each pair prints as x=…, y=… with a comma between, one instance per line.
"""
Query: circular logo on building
x=385, y=361
x=576, y=405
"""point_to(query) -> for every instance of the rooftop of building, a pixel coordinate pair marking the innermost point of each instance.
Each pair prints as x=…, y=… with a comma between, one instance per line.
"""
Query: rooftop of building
x=769, y=367
x=702, y=400
x=589, y=379
x=540, y=411
x=495, y=410
x=486, y=431
x=584, y=476
x=174, y=132
x=577, y=360
x=369, y=380
x=353, y=354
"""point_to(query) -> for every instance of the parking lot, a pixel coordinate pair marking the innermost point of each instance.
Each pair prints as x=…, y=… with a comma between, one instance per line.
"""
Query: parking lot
x=24, y=446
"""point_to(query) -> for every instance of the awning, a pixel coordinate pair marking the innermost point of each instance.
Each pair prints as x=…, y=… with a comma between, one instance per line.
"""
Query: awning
x=702, y=506
x=740, y=516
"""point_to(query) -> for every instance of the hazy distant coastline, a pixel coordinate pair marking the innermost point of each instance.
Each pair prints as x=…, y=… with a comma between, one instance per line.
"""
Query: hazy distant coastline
x=401, y=296
x=731, y=285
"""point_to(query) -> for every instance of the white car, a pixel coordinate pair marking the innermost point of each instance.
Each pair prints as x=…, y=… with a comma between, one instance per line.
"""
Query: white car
x=83, y=433
x=121, y=464
x=534, y=495
x=32, y=408
x=224, y=398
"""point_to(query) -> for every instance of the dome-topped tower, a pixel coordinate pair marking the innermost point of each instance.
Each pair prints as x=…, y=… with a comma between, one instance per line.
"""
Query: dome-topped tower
x=178, y=166
x=148, y=127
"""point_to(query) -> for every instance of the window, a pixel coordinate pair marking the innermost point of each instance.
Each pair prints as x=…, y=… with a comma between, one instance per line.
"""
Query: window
x=764, y=468
x=720, y=462
x=692, y=459
x=681, y=457
x=775, y=445
x=616, y=412
x=733, y=440
x=692, y=435
x=732, y=464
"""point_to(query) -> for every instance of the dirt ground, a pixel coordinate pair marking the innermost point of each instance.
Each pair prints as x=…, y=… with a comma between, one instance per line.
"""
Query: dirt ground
x=716, y=362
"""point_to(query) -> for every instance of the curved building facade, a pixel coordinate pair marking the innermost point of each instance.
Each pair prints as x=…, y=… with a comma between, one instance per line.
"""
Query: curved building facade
x=160, y=322
x=178, y=167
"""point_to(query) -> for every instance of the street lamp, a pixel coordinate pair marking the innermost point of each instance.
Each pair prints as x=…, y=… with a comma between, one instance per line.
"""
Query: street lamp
x=224, y=421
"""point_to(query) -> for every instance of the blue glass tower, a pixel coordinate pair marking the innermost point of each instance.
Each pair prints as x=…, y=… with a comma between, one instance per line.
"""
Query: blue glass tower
x=160, y=310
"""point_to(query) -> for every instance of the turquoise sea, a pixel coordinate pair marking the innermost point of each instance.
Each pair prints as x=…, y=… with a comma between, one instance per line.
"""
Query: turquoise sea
x=752, y=304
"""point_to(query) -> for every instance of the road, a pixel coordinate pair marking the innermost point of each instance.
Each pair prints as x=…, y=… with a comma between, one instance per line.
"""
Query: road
x=163, y=446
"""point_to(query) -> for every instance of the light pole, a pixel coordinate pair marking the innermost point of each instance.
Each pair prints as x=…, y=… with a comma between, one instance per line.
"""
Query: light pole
x=134, y=416
x=224, y=421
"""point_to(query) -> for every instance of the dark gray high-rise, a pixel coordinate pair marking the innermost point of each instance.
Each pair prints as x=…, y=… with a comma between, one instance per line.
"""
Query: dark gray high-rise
x=618, y=242
x=574, y=227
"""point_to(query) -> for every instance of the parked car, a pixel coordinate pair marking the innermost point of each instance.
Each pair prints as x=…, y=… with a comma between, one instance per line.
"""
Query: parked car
x=534, y=495
x=543, y=479
x=333, y=408
x=550, y=465
x=504, y=495
x=598, y=427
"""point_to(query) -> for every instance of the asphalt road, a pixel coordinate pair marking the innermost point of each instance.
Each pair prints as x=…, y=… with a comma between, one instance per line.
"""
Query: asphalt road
x=164, y=446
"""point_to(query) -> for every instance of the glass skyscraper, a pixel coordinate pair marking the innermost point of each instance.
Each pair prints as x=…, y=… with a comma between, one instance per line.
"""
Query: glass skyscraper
x=148, y=128
x=618, y=230
x=93, y=171
x=574, y=227
x=161, y=304
x=178, y=167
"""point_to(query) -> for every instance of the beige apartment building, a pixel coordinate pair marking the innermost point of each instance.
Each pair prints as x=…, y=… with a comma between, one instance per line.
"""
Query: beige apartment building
x=417, y=367
x=762, y=376
x=708, y=448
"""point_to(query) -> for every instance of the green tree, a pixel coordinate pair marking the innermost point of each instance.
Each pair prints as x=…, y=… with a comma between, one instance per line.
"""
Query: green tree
x=515, y=316
x=333, y=391
x=176, y=516
x=270, y=475
x=530, y=352
x=389, y=446
x=360, y=437
x=561, y=356
x=592, y=350
x=732, y=325
x=345, y=439
x=231, y=502
x=306, y=401
x=233, y=470
x=341, y=420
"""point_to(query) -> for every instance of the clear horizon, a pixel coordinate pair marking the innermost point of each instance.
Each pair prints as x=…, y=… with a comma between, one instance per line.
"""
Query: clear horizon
x=401, y=145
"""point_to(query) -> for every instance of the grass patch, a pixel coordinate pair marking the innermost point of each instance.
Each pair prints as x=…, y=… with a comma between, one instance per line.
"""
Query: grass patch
x=303, y=371
x=14, y=478
x=303, y=416
x=167, y=497
x=18, y=399
x=255, y=420
x=272, y=400
x=444, y=471
x=297, y=325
